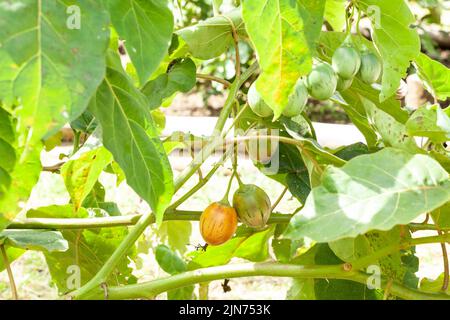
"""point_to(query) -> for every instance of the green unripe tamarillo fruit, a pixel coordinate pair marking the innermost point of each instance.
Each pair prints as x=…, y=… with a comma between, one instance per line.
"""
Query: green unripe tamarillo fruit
x=252, y=205
x=343, y=85
x=370, y=68
x=257, y=104
x=296, y=100
x=321, y=82
x=346, y=62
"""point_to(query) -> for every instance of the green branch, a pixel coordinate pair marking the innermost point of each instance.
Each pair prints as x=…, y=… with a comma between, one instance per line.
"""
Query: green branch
x=12, y=283
x=117, y=221
x=271, y=269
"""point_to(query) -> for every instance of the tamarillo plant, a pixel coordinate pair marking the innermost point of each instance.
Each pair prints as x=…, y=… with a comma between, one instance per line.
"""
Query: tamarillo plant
x=107, y=67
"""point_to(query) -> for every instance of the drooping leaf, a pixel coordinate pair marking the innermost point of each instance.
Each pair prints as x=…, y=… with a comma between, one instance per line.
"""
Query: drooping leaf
x=172, y=263
x=181, y=77
x=169, y=261
x=88, y=250
x=130, y=134
x=431, y=122
x=371, y=192
x=391, y=24
x=146, y=26
x=284, y=34
x=435, y=75
x=212, y=37
x=80, y=175
x=42, y=240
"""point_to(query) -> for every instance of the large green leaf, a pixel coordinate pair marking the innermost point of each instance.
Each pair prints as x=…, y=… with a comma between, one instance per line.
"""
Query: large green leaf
x=435, y=75
x=181, y=77
x=396, y=41
x=50, y=69
x=88, y=250
x=80, y=175
x=43, y=240
x=371, y=192
x=430, y=121
x=146, y=26
x=210, y=38
x=130, y=134
x=57, y=65
x=284, y=34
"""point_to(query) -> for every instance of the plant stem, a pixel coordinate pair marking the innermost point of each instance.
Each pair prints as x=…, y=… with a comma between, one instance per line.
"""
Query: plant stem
x=199, y=185
x=129, y=220
x=12, y=283
x=76, y=142
x=117, y=221
x=446, y=267
x=272, y=269
x=225, y=83
x=279, y=199
x=53, y=168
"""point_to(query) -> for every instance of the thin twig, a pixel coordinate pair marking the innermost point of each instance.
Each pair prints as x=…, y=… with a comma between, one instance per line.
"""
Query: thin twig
x=446, y=266
x=279, y=199
x=387, y=290
x=53, y=168
x=12, y=284
x=213, y=78
x=236, y=46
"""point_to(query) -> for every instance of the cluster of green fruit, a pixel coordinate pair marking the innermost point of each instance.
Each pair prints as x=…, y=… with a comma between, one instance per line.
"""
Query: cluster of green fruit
x=251, y=206
x=324, y=80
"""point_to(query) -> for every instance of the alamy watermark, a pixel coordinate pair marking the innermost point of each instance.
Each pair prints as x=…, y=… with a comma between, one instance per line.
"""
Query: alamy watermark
x=73, y=22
